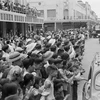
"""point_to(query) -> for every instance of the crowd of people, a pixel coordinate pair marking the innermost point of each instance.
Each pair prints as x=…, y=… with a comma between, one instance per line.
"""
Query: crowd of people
x=18, y=8
x=42, y=66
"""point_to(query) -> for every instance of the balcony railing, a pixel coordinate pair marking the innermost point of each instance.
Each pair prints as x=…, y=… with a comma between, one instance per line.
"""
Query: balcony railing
x=78, y=18
x=72, y=18
x=15, y=12
x=9, y=16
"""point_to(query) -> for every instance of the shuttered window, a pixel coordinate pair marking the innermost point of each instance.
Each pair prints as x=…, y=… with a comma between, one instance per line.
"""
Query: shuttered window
x=51, y=13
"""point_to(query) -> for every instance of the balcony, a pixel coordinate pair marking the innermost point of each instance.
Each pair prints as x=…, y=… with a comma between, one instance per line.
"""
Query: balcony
x=18, y=13
x=8, y=16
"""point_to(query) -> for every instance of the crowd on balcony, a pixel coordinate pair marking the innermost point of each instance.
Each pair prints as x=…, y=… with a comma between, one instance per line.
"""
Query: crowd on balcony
x=42, y=66
x=18, y=8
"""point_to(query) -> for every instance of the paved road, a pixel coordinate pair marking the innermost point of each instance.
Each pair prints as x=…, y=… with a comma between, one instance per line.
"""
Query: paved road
x=91, y=47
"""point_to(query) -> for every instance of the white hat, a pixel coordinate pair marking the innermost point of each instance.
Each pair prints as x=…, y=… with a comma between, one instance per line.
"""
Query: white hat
x=34, y=74
x=48, y=55
x=18, y=49
x=49, y=37
x=30, y=47
x=28, y=40
x=14, y=56
x=36, y=51
x=52, y=41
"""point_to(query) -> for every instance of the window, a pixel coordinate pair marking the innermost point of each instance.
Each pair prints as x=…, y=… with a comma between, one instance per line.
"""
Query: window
x=51, y=13
x=66, y=13
x=41, y=13
x=16, y=1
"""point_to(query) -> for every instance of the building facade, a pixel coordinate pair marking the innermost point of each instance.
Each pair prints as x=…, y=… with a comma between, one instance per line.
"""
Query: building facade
x=65, y=11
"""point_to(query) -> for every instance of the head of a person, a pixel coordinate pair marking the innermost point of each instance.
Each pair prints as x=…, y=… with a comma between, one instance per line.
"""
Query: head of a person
x=66, y=43
x=6, y=48
x=55, y=56
x=76, y=48
x=9, y=89
x=52, y=71
x=38, y=63
x=31, y=60
x=58, y=44
x=60, y=51
x=16, y=58
x=38, y=82
x=53, y=48
x=65, y=56
x=58, y=63
x=48, y=45
x=67, y=48
x=8, y=42
x=29, y=80
x=51, y=61
x=58, y=87
x=38, y=47
x=26, y=63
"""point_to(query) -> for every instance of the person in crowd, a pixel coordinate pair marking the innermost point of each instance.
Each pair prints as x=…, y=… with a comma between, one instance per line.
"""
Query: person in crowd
x=6, y=51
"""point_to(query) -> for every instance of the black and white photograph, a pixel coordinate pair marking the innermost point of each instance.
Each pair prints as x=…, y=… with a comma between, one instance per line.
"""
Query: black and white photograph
x=49, y=49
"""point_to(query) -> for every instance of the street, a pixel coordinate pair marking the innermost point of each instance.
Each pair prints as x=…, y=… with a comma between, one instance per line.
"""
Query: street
x=91, y=47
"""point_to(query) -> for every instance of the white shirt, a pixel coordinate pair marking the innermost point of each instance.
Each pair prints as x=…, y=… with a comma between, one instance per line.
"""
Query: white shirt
x=30, y=47
x=82, y=37
x=72, y=55
x=11, y=48
x=50, y=90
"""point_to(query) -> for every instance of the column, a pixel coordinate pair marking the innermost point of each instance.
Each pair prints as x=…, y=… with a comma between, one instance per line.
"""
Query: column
x=55, y=26
x=42, y=26
x=4, y=28
x=30, y=27
x=35, y=28
x=22, y=28
x=14, y=28
x=25, y=28
x=88, y=25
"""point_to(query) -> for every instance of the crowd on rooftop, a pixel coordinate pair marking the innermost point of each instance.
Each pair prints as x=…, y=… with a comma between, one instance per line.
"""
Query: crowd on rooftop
x=42, y=66
x=18, y=8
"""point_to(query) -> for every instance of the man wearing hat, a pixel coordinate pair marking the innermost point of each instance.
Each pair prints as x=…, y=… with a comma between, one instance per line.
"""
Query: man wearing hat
x=37, y=66
x=15, y=68
x=37, y=49
x=15, y=58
